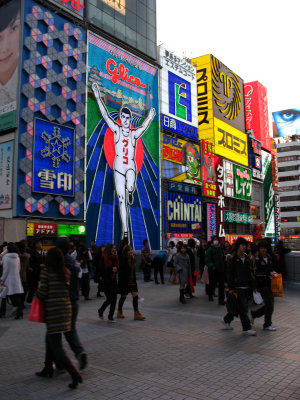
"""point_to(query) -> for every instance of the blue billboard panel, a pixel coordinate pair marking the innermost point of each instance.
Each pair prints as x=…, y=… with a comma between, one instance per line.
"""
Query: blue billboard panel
x=53, y=161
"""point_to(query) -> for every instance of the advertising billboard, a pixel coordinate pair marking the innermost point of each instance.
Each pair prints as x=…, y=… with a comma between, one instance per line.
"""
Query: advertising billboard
x=211, y=220
x=242, y=183
x=178, y=95
x=6, y=163
x=75, y=7
x=232, y=238
x=220, y=94
x=228, y=178
x=230, y=142
x=209, y=174
x=221, y=199
x=286, y=122
x=256, y=110
x=10, y=23
x=182, y=213
x=255, y=158
x=122, y=167
x=51, y=149
x=268, y=194
x=180, y=160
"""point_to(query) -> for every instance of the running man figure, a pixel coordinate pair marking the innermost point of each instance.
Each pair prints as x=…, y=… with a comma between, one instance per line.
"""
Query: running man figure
x=124, y=167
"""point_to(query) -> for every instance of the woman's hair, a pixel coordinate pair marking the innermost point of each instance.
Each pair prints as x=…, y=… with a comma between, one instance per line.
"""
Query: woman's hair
x=12, y=248
x=239, y=242
x=9, y=13
x=126, y=256
x=55, y=262
x=108, y=248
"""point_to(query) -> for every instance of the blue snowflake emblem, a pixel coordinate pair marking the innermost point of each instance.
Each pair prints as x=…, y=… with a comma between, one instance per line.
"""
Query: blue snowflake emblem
x=56, y=147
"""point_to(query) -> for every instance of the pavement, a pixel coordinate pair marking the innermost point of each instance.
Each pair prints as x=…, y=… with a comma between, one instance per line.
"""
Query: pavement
x=180, y=352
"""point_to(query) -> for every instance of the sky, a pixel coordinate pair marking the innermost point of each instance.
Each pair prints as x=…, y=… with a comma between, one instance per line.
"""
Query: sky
x=256, y=39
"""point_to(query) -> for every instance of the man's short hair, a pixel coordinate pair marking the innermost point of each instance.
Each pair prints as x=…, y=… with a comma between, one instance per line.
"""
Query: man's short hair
x=126, y=110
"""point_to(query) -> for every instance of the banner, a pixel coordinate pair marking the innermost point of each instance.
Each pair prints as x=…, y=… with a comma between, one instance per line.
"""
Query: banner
x=6, y=163
x=268, y=195
x=256, y=110
x=122, y=167
x=242, y=183
x=255, y=158
x=10, y=24
x=211, y=220
x=182, y=213
x=230, y=142
x=209, y=174
x=178, y=95
x=180, y=160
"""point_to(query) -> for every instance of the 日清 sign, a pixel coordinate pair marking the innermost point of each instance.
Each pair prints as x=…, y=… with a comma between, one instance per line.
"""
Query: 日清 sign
x=183, y=188
x=53, y=161
x=180, y=160
x=182, y=213
x=178, y=95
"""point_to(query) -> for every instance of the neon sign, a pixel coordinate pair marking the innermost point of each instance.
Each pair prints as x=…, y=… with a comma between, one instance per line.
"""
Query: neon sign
x=122, y=74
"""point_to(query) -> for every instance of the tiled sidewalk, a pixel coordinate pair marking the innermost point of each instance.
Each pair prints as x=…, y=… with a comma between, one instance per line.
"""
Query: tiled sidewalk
x=179, y=352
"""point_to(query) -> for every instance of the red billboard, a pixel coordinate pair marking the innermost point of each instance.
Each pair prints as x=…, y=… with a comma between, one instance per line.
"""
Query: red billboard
x=256, y=112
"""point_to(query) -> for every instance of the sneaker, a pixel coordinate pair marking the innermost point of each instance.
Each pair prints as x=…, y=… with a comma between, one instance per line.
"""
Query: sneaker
x=270, y=328
x=112, y=320
x=82, y=360
x=250, y=332
x=227, y=325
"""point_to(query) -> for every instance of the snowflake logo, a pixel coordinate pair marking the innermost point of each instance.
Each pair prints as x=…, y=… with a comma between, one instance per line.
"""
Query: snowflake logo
x=56, y=147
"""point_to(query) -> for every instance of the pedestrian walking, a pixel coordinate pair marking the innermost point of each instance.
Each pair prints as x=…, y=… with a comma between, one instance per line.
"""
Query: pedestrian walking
x=127, y=283
x=85, y=258
x=109, y=269
x=53, y=292
x=158, y=263
x=11, y=278
x=37, y=258
x=264, y=272
x=241, y=282
x=170, y=262
x=215, y=261
x=183, y=267
x=146, y=261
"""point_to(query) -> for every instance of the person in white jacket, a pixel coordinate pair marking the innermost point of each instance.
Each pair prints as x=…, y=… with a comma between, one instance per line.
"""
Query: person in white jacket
x=11, y=278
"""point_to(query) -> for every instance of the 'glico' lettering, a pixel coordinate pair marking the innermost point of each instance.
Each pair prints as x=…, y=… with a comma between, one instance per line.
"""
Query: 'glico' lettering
x=122, y=73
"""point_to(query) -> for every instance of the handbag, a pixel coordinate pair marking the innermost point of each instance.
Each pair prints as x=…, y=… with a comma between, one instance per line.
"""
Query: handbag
x=37, y=313
x=205, y=276
x=277, y=286
x=3, y=291
x=257, y=298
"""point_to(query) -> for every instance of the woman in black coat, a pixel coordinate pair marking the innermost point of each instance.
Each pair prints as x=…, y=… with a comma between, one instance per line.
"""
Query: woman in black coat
x=127, y=283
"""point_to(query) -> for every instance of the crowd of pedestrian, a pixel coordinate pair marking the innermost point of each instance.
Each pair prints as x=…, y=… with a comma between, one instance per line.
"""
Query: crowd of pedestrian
x=231, y=273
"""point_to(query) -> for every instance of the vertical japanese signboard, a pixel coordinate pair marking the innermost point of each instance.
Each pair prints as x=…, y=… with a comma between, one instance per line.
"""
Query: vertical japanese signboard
x=51, y=147
x=242, y=183
x=255, y=158
x=209, y=175
x=10, y=23
x=256, y=110
x=122, y=170
x=268, y=194
x=178, y=94
x=221, y=199
x=211, y=220
x=6, y=163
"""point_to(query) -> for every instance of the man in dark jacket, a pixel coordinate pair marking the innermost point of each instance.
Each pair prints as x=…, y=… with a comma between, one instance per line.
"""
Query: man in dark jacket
x=215, y=261
x=241, y=282
x=72, y=336
x=37, y=258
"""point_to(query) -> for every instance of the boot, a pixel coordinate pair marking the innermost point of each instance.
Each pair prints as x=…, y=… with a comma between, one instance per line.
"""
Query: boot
x=120, y=314
x=138, y=316
x=47, y=371
x=75, y=375
x=181, y=298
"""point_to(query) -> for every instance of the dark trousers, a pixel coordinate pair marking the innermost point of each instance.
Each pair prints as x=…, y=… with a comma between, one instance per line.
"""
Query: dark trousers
x=147, y=272
x=158, y=266
x=111, y=300
x=268, y=307
x=17, y=301
x=72, y=336
x=85, y=285
x=3, y=307
x=242, y=299
x=56, y=353
x=32, y=287
x=216, y=280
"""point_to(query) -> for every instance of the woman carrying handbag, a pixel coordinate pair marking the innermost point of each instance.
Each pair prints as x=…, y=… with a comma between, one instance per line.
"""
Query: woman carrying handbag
x=53, y=292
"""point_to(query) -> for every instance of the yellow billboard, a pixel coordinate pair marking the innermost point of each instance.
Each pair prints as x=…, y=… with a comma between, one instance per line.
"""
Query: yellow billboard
x=230, y=142
x=180, y=160
x=204, y=92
